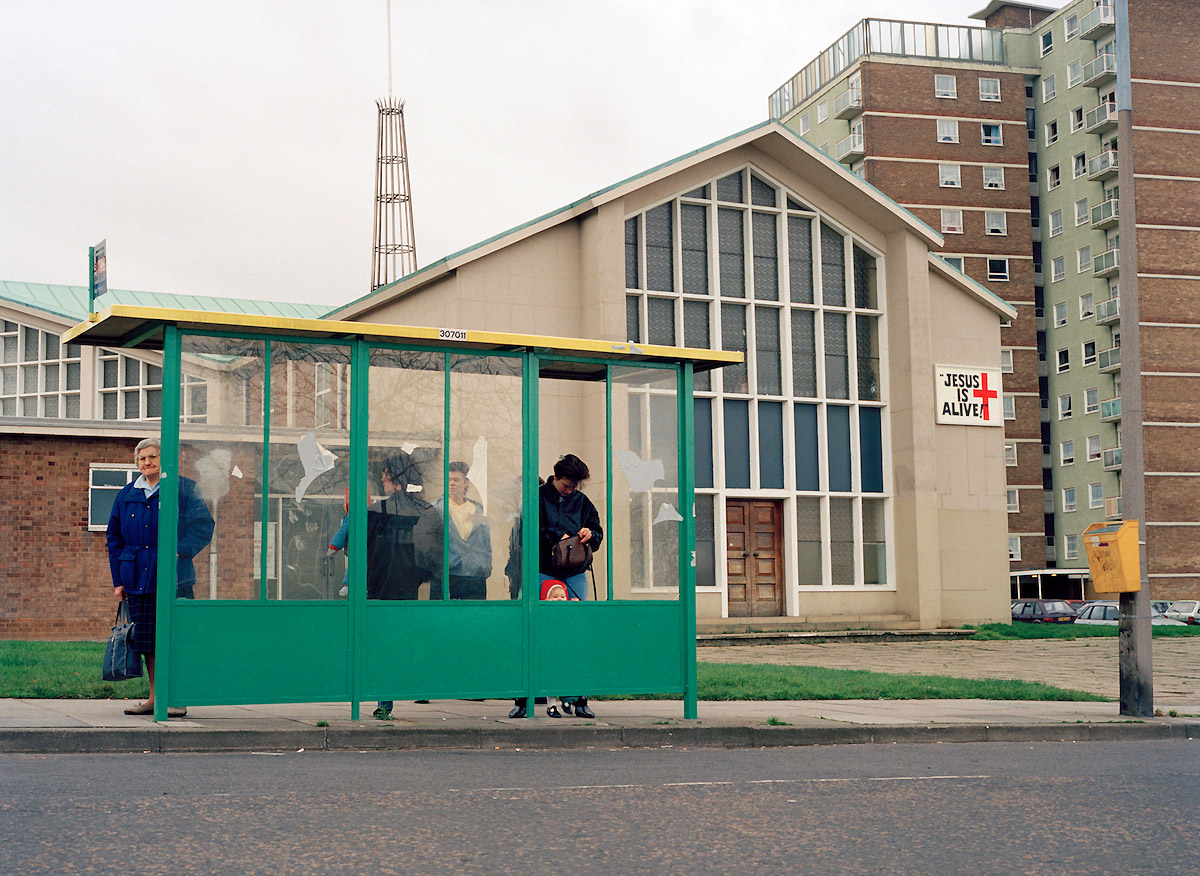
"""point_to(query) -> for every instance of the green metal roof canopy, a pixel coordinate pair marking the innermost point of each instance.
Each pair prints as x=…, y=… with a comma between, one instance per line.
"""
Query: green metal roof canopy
x=286, y=426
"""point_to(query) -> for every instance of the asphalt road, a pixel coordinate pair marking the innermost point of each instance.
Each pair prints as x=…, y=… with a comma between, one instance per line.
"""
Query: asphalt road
x=869, y=809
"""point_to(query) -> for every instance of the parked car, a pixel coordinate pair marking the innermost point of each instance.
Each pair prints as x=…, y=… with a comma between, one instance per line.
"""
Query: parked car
x=1105, y=612
x=1186, y=610
x=1043, y=611
x=1160, y=605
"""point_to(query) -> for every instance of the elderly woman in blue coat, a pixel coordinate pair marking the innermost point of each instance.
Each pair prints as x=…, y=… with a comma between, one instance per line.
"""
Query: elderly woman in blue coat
x=133, y=551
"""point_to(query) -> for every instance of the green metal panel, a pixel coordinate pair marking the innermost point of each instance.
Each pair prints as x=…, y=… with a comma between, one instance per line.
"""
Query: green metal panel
x=596, y=648
x=259, y=652
x=443, y=650
x=360, y=361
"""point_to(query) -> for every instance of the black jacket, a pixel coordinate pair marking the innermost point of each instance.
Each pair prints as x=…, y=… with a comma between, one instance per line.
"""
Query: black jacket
x=564, y=516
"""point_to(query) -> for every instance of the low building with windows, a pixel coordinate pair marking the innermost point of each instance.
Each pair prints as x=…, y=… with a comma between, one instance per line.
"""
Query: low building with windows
x=69, y=419
x=852, y=469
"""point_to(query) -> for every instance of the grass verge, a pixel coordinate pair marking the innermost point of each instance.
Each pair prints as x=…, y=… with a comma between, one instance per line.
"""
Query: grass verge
x=71, y=670
x=993, y=632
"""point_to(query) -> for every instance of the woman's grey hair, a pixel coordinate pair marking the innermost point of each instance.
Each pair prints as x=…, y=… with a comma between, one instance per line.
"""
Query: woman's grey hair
x=147, y=442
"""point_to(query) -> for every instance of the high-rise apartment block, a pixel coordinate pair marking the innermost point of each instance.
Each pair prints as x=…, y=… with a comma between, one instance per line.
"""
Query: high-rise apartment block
x=1058, y=152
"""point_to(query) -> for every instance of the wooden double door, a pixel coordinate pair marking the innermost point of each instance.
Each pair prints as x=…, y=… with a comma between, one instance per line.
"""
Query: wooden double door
x=754, y=557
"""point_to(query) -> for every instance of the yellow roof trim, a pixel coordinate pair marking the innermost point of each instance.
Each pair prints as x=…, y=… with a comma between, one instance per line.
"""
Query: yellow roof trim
x=142, y=327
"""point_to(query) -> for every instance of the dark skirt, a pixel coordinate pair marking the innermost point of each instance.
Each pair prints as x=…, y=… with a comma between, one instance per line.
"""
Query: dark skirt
x=141, y=612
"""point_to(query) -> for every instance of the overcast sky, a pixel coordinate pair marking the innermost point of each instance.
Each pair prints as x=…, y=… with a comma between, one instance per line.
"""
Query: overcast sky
x=227, y=148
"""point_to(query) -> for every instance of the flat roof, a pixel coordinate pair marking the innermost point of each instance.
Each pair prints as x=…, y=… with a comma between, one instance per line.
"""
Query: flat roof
x=143, y=328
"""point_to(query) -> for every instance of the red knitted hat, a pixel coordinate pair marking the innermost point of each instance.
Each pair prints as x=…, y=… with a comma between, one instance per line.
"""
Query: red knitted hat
x=551, y=582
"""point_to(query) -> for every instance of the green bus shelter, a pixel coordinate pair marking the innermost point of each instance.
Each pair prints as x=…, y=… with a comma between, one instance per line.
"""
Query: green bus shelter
x=286, y=426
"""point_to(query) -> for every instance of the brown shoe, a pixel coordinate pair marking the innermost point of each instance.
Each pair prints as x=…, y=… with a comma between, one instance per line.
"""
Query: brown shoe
x=176, y=711
x=141, y=709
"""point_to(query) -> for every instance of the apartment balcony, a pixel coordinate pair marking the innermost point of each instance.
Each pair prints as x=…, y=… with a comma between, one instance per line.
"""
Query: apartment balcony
x=1103, y=166
x=1112, y=459
x=1110, y=409
x=1108, y=311
x=1101, y=70
x=1109, y=360
x=849, y=149
x=1102, y=119
x=848, y=104
x=1107, y=264
x=1106, y=215
x=1098, y=23
x=1112, y=508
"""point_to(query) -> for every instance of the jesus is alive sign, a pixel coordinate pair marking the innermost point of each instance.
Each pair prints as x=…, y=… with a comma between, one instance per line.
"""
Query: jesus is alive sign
x=968, y=396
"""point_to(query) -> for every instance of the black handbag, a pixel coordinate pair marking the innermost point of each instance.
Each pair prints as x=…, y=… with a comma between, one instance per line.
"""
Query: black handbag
x=121, y=662
x=570, y=556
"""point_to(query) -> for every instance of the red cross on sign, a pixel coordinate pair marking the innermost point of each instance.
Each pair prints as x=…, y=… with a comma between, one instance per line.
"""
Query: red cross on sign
x=986, y=395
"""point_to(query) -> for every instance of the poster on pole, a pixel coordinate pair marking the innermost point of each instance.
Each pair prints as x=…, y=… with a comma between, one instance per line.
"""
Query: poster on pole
x=968, y=396
x=99, y=270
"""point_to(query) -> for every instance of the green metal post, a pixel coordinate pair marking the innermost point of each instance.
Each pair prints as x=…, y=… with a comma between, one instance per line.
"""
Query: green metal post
x=530, y=513
x=687, y=536
x=360, y=360
x=168, y=520
x=608, y=467
x=92, y=281
x=446, y=524
x=266, y=469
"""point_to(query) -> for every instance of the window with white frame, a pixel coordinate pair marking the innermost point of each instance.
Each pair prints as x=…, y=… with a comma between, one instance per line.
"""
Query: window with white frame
x=1010, y=453
x=1053, y=177
x=1010, y=407
x=1089, y=353
x=989, y=88
x=1048, y=89
x=1058, y=269
x=1062, y=359
x=1083, y=262
x=1087, y=307
x=39, y=376
x=945, y=86
x=1006, y=361
x=1051, y=132
x=1074, y=74
x=955, y=262
x=995, y=222
x=1071, y=547
x=1071, y=27
x=104, y=482
x=1064, y=406
x=1014, y=501
x=949, y=176
x=760, y=272
x=1047, y=43
x=997, y=270
x=1060, y=314
x=1076, y=119
x=130, y=389
x=805, y=124
x=822, y=111
x=952, y=221
x=1056, y=223
x=993, y=177
x=1093, y=447
x=1066, y=453
x=1014, y=548
x=991, y=135
x=1068, y=499
x=1091, y=400
x=1095, y=496
x=1078, y=165
x=947, y=130
x=1081, y=212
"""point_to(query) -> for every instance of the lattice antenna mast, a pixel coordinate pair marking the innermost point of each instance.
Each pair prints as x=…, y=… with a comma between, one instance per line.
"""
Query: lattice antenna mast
x=395, y=238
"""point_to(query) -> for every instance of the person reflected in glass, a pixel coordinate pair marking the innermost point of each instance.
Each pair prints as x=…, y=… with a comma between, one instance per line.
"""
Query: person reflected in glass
x=564, y=511
x=404, y=541
x=469, y=535
x=132, y=539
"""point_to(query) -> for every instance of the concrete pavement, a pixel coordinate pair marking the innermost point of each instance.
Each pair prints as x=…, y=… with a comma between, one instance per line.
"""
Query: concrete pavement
x=45, y=726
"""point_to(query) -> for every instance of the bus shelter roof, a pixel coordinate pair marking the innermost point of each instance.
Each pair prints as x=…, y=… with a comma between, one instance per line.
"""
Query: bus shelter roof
x=143, y=328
